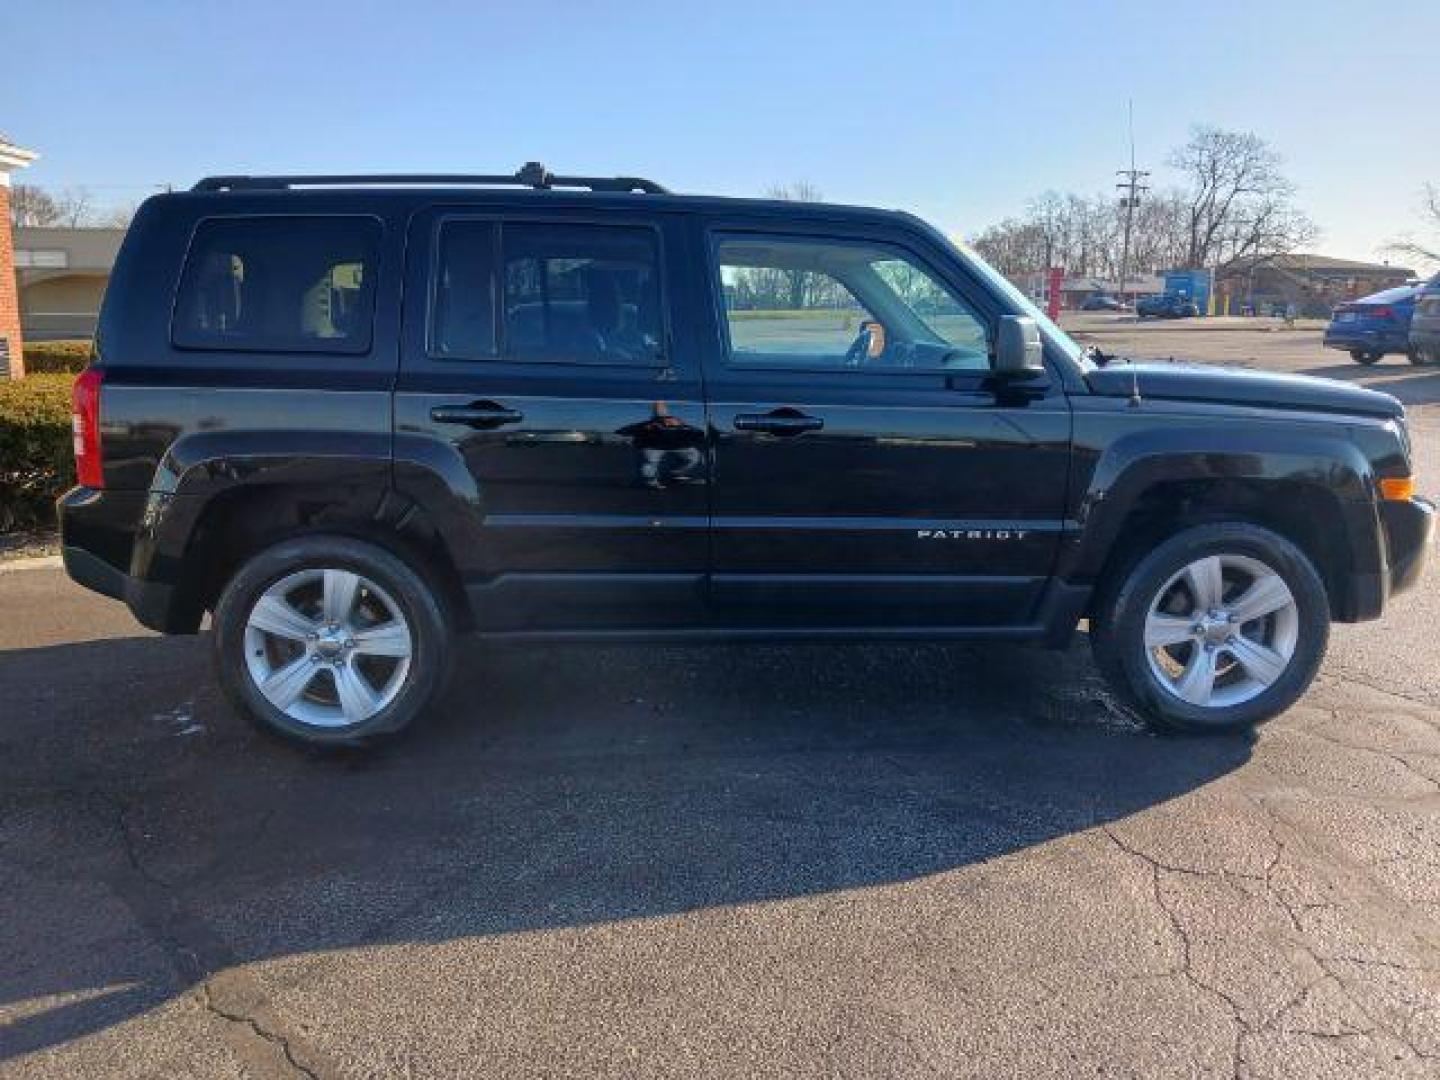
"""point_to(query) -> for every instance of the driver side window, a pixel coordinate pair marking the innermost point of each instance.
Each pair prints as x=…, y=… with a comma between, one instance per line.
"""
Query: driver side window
x=805, y=304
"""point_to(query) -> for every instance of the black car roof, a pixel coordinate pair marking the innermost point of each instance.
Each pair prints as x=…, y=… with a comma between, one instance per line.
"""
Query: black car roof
x=607, y=200
x=521, y=189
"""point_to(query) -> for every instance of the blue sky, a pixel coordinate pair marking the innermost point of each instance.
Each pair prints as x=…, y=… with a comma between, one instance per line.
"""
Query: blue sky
x=956, y=111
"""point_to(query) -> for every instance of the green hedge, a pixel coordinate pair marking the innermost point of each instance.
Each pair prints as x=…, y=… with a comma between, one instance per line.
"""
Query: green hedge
x=56, y=357
x=36, y=456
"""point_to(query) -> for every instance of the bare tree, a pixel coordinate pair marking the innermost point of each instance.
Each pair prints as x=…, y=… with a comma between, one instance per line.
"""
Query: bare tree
x=1425, y=251
x=32, y=207
x=117, y=217
x=75, y=205
x=799, y=191
x=1238, y=202
x=1234, y=205
x=796, y=280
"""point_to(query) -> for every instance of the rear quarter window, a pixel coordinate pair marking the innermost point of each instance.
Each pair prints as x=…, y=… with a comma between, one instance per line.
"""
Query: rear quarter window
x=279, y=284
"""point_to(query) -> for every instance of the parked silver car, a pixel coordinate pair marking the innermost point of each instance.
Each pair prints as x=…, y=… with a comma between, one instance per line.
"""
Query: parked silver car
x=1425, y=324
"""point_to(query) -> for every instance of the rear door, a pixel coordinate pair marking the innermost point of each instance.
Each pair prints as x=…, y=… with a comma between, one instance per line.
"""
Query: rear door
x=869, y=469
x=540, y=358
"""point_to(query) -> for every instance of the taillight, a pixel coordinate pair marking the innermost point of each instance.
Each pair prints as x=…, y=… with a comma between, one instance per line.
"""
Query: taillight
x=1380, y=311
x=85, y=420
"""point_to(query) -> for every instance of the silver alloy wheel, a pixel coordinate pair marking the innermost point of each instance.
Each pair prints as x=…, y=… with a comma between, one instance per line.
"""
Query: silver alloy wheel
x=327, y=647
x=1221, y=631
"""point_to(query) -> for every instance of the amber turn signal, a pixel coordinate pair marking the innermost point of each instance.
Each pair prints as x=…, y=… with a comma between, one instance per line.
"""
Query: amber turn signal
x=1397, y=487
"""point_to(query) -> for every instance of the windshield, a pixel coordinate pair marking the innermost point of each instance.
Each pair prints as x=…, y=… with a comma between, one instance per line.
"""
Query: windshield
x=1057, y=337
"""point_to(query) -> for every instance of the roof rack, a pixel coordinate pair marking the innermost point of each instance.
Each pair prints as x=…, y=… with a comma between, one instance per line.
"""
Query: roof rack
x=532, y=175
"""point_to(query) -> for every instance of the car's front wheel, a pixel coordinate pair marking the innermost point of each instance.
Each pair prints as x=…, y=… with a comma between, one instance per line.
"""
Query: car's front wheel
x=1221, y=627
x=331, y=641
x=1361, y=356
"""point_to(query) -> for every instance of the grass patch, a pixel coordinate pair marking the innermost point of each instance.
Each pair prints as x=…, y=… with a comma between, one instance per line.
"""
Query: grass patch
x=748, y=315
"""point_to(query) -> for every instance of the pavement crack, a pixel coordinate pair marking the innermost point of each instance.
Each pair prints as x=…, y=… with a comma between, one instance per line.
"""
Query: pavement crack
x=1186, y=968
x=1344, y=676
x=271, y=1038
x=1398, y=759
x=1171, y=868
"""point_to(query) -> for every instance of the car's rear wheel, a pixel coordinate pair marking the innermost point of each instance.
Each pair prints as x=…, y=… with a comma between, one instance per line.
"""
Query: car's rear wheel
x=1417, y=357
x=1362, y=356
x=330, y=641
x=1221, y=627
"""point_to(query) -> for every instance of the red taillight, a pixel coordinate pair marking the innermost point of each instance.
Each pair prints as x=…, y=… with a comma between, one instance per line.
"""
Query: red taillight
x=85, y=419
x=1380, y=311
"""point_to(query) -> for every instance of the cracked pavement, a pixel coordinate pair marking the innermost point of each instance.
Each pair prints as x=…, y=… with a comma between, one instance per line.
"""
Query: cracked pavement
x=799, y=861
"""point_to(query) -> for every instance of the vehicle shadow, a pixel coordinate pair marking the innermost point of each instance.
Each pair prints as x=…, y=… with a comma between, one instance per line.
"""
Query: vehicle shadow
x=149, y=840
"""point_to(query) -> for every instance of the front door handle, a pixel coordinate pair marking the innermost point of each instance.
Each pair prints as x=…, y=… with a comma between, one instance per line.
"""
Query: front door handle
x=482, y=414
x=779, y=422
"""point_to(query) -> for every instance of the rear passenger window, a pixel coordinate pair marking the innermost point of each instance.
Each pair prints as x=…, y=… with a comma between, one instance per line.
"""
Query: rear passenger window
x=584, y=294
x=279, y=284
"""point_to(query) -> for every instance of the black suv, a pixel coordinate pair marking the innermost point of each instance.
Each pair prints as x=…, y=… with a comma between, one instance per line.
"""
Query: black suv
x=351, y=416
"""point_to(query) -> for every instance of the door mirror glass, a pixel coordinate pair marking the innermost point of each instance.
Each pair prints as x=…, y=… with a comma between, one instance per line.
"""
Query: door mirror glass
x=1018, y=349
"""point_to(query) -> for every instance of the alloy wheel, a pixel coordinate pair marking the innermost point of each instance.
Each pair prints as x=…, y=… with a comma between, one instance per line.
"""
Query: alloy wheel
x=1221, y=631
x=328, y=647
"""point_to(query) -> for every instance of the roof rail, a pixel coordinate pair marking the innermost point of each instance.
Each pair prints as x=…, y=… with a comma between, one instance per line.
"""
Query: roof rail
x=532, y=175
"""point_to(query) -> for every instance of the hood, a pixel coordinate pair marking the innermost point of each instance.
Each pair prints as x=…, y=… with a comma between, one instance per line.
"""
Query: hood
x=1241, y=386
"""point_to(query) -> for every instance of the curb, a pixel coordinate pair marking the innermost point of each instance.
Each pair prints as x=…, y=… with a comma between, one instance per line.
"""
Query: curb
x=38, y=562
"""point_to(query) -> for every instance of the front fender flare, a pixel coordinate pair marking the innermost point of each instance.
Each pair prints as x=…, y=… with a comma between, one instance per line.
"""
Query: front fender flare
x=1329, y=464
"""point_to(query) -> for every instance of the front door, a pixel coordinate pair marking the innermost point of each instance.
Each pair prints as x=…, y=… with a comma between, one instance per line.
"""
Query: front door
x=869, y=469
x=539, y=359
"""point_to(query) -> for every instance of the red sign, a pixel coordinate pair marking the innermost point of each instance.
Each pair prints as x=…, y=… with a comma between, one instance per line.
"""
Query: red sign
x=1054, y=287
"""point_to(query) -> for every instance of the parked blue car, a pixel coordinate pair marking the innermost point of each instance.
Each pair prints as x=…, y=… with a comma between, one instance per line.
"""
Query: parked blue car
x=1166, y=306
x=1374, y=325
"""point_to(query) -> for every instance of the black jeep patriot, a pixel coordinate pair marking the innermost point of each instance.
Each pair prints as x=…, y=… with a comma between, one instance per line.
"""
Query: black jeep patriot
x=349, y=416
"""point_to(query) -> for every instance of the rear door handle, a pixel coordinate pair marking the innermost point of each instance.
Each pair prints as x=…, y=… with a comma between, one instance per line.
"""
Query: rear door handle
x=787, y=422
x=483, y=414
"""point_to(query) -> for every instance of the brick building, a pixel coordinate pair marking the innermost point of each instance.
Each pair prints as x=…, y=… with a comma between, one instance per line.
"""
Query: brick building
x=1313, y=283
x=12, y=362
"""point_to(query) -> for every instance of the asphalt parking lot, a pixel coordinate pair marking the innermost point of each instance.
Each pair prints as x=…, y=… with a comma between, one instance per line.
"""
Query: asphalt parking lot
x=727, y=861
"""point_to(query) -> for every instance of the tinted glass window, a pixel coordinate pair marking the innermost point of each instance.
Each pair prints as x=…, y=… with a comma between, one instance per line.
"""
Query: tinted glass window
x=804, y=303
x=464, y=321
x=279, y=284
x=581, y=294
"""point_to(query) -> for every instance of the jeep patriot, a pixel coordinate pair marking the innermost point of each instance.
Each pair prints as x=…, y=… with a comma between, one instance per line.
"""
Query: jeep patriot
x=349, y=417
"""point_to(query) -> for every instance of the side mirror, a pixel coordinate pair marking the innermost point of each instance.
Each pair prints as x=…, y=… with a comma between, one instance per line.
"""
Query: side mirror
x=1018, y=350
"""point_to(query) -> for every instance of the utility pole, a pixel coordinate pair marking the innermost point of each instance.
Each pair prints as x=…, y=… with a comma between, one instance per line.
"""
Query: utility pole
x=1130, y=199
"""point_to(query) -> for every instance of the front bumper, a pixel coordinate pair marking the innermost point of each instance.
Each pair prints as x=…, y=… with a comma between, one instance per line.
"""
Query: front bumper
x=1409, y=535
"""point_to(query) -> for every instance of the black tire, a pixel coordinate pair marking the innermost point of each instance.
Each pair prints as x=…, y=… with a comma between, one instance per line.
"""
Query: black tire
x=1416, y=357
x=1118, y=630
x=430, y=636
x=1361, y=356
